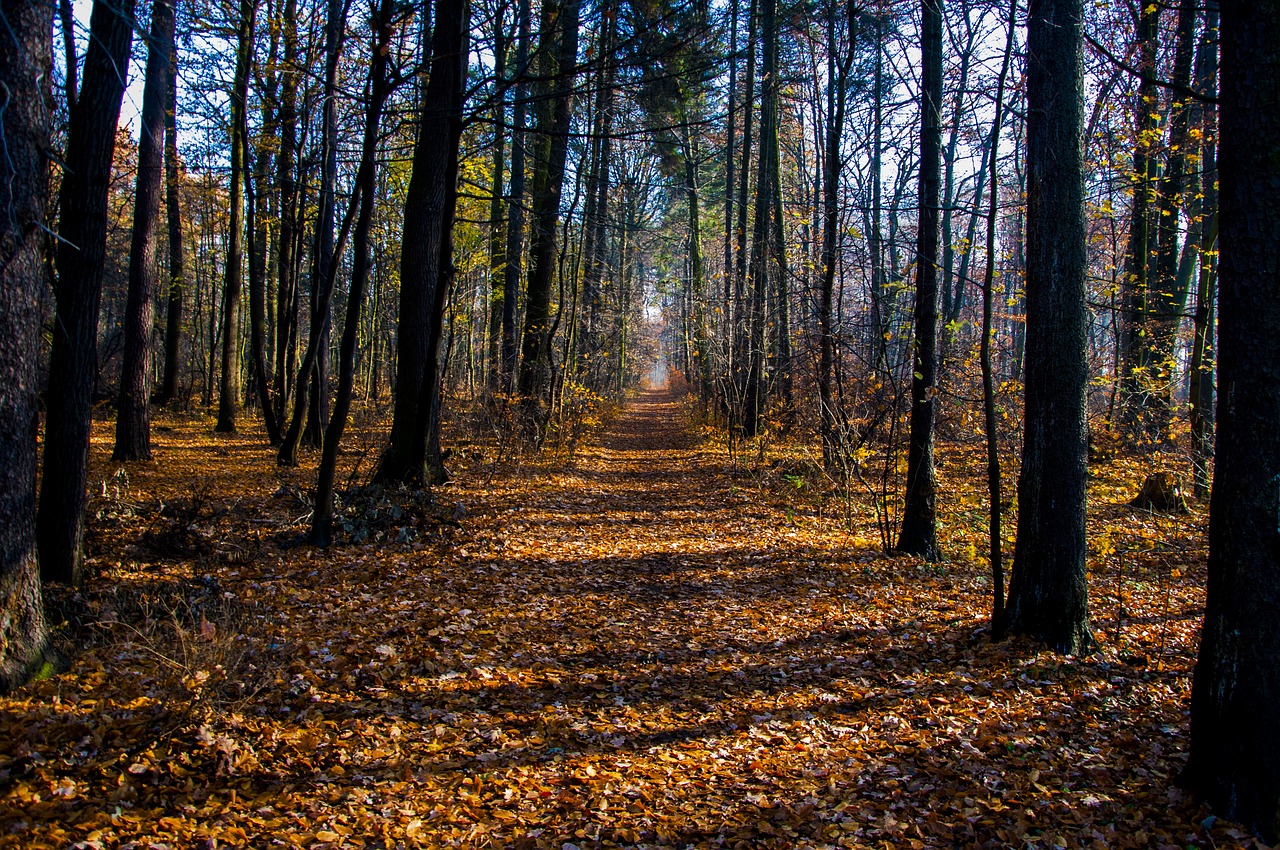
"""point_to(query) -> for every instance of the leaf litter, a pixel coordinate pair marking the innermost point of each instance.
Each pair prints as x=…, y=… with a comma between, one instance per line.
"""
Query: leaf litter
x=642, y=648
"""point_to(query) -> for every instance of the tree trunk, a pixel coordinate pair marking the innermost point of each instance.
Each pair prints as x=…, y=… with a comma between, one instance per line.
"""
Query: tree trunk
x=1235, y=746
x=322, y=517
x=173, y=209
x=133, y=418
x=515, y=202
x=317, y=400
x=919, y=533
x=1134, y=348
x=535, y=356
x=428, y=217
x=287, y=246
x=24, y=195
x=1201, y=366
x=82, y=231
x=1048, y=593
x=229, y=389
x=258, y=300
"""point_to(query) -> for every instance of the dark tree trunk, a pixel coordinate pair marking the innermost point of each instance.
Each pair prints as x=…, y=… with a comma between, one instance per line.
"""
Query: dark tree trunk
x=133, y=419
x=1169, y=289
x=999, y=620
x=497, y=233
x=287, y=242
x=1235, y=741
x=229, y=388
x=428, y=216
x=82, y=202
x=258, y=300
x=322, y=518
x=919, y=533
x=24, y=194
x=1048, y=592
x=838, y=70
x=515, y=202
x=1201, y=366
x=1134, y=348
x=173, y=205
x=318, y=399
x=535, y=357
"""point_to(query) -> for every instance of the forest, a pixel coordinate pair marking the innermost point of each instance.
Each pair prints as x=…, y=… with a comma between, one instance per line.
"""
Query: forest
x=639, y=423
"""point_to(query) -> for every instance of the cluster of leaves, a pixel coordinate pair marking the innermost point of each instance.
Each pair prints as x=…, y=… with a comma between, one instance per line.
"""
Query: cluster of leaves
x=642, y=650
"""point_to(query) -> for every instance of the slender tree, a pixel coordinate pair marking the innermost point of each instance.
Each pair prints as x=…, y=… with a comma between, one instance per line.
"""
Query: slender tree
x=177, y=266
x=1235, y=738
x=229, y=388
x=1048, y=592
x=25, y=52
x=82, y=242
x=133, y=418
x=919, y=535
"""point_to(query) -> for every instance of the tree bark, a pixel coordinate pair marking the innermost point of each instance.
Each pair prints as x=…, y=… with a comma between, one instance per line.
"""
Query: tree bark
x=1048, y=593
x=173, y=209
x=322, y=517
x=25, y=71
x=229, y=388
x=919, y=533
x=133, y=417
x=1235, y=742
x=535, y=355
x=428, y=216
x=82, y=231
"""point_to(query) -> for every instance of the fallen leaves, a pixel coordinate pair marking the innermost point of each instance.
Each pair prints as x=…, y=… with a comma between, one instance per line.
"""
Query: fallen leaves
x=642, y=648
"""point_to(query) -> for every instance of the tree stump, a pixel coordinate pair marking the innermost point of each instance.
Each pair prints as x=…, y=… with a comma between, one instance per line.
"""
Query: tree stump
x=1161, y=492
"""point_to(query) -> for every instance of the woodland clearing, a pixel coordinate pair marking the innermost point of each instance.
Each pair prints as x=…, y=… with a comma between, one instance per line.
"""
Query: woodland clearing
x=645, y=645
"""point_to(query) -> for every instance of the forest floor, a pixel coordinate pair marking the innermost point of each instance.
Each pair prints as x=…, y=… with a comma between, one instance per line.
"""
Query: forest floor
x=646, y=645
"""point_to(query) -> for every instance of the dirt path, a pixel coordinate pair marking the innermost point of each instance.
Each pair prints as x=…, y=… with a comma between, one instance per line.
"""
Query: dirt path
x=642, y=650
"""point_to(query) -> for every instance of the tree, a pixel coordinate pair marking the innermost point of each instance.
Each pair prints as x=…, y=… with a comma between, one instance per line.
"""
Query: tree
x=133, y=419
x=25, y=45
x=177, y=273
x=426, y=252
x=919, y=535
x=1235, y=736
x=229, y=389
x=1048, y=591
x=561, y=28
x=383, y=25
x=82, y=241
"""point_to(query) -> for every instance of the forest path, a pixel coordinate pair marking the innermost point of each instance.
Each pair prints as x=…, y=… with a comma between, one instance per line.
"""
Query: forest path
x=645, y=647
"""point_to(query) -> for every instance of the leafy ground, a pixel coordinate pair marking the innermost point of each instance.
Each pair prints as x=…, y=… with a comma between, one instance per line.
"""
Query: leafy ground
x=644, y=647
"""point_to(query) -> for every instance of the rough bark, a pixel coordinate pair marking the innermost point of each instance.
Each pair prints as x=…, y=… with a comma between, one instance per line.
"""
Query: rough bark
x=1048, y=593
x=25, y=70
x=1235, y=741
x=133, y=417
x=427, y=218
x=229, y=387
x=322, y=518
x=82, y=231
x=173, y=210
x=535, y=356
x=919, y=533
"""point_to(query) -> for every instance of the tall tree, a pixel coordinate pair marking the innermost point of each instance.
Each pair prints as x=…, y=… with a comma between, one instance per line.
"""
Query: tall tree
x=229, y=388
x=173, y=211
x=1235, y=737
x=1048, y=592
x=515, y=197
x=383, y=25
x=25, y=72
x=133, y=418
x=560, y=27
x=919, y=534
x=82, y=242
x=426, y=250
